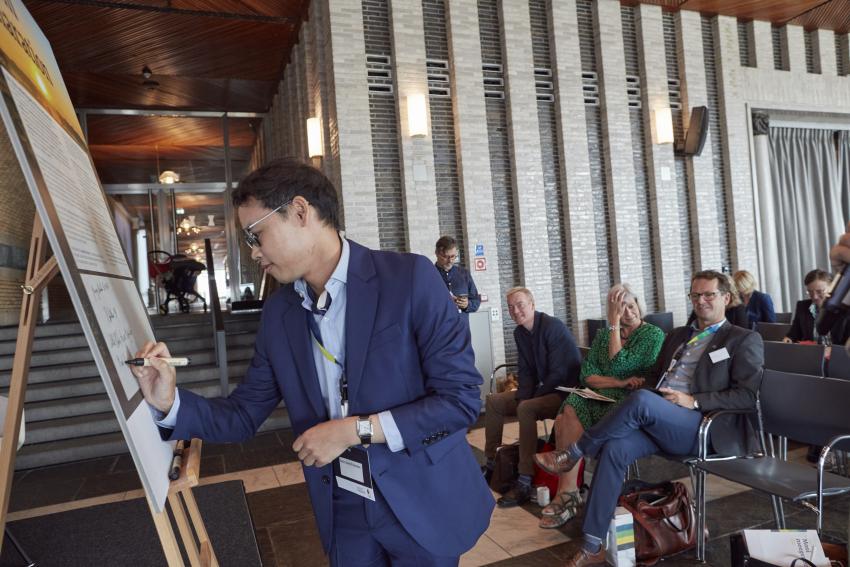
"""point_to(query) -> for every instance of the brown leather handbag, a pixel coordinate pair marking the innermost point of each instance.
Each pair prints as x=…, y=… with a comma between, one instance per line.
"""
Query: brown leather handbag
x=664, y=520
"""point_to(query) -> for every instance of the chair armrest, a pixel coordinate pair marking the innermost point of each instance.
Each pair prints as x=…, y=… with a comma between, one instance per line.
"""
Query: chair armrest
x=493, y=375
x=705, y=425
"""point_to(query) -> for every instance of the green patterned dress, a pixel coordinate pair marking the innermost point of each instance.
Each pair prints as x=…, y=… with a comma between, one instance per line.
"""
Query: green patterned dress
x=634, y=359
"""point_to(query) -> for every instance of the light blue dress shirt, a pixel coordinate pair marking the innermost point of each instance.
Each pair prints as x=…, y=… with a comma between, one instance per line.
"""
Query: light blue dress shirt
x=680, y=377
x=332, y=327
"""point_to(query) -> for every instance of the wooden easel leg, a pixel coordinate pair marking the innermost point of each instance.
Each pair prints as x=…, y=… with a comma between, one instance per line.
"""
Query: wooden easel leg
x=184, y=529
x=38, y=274
x=208, y=558
x=166, y=537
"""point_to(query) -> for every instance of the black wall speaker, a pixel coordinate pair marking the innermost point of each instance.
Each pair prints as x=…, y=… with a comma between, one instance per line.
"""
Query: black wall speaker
x=697, y=131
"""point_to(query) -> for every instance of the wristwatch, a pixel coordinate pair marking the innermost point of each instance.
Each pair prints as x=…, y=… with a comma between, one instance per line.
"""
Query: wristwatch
x=696, y=404
x=364, y=430
x=613, y=327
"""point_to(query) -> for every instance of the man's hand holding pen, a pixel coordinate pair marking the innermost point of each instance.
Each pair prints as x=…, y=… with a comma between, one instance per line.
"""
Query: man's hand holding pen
x=159, y=380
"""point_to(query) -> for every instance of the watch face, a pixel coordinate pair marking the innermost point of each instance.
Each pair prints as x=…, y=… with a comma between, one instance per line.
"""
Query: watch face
x=364, y=427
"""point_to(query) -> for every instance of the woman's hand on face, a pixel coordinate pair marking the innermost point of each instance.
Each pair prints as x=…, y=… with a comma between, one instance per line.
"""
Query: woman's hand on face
x=616, y=306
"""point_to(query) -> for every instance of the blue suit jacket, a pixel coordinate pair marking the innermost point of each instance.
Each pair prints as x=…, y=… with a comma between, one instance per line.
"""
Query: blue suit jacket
x=407, y=351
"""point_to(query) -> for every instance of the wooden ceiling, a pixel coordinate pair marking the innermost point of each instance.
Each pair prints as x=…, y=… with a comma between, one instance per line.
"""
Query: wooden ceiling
x=203, y=55
x=228, y=56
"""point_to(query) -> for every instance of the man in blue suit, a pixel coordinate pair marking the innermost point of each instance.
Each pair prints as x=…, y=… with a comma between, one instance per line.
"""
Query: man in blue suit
x=377, y=372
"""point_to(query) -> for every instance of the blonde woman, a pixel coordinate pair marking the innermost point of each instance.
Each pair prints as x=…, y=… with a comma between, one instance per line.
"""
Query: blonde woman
x=759, y=304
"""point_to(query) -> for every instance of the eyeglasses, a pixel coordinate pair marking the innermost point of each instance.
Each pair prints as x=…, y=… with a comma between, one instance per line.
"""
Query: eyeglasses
x=816, y=292
x=449, y=257
x=251, y=239
x=707, y=295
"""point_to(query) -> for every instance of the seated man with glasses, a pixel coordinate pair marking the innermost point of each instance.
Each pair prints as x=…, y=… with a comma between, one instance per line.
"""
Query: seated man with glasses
x=457, y=278
x=707, y=366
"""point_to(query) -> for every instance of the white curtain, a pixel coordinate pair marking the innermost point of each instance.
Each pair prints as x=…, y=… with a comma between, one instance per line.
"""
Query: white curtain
x=844, y=171
x=810, y=206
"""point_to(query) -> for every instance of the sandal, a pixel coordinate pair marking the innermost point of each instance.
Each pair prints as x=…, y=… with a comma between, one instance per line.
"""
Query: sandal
x=564, y=508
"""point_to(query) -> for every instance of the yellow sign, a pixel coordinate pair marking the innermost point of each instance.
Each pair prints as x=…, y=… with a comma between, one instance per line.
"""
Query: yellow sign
x=28, y=56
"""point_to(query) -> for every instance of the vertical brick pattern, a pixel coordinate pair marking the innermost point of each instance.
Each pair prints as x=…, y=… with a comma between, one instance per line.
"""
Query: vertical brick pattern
x=737, y=172
x=598, y=174
x=384, y=123
x=687, y=232
x=417, y=154
x=638, y=118
x=476, y=181
x=450, y=214
x=811, y=62
x=351, y=139
x=619, y=165
x=500, y=169
x=762, y=44
x=580, y=221
x=662, y=190
x=524, y=140
x=550, y=155
x=745, y=48
x=842, y=54
x=794, y=48
x=700, y=169
x=714, y=110
x=780, y=60
x=823, y=45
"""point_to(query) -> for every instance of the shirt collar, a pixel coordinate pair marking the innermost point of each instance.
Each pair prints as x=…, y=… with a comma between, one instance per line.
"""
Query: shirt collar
x=711, y=328
x=336, y=283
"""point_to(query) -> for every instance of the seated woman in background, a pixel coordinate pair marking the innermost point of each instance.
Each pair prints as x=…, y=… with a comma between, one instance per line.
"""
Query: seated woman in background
x=806, y=313
x=618, y=360
x=759, y=305
x=736, y=311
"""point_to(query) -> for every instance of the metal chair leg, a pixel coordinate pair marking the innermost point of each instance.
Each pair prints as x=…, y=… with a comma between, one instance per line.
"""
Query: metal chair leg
x=778, y=512
x=20, y=550
x=700, y=490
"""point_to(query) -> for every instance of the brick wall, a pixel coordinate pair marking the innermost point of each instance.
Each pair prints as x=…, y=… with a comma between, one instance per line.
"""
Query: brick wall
x=541, y=145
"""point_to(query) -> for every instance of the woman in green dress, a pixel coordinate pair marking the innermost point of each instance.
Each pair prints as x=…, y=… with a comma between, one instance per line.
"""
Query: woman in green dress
x=618, y=362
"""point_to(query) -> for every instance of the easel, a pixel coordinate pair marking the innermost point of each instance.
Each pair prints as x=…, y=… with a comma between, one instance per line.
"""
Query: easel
x=180, y=498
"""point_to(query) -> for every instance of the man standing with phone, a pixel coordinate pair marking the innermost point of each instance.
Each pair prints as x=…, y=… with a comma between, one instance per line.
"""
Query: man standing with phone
x=457, y=278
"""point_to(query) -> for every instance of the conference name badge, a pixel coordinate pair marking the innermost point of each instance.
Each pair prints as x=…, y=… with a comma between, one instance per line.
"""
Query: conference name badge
x=719, y=355
x=353, y=473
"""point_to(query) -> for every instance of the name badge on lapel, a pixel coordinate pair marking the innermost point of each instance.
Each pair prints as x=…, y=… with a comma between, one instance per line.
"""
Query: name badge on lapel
x=353, y=473
x=719, y=355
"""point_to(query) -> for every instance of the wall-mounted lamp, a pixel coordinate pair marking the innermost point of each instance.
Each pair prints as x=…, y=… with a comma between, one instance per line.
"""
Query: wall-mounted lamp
x=664, y=126
x=315, y=148
x=168, y=177
x=417, y=115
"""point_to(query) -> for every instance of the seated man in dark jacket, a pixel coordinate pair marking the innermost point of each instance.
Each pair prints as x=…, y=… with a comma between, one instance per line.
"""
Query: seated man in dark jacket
x=708, y=366
x=547, y=357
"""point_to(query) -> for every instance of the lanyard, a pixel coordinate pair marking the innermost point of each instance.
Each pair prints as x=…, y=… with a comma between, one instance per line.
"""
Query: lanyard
x=343, y=380
x=680, y=351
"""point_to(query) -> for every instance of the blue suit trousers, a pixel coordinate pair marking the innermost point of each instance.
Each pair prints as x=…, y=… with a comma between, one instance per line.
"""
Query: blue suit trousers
x=644, y=424
x=368, y=534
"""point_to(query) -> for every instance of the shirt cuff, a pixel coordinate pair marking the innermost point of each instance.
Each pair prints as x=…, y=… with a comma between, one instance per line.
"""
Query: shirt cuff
x=392, y=435
x=167, y=421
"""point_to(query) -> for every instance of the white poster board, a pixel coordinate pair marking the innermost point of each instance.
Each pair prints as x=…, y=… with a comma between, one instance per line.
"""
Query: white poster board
x=37, y=114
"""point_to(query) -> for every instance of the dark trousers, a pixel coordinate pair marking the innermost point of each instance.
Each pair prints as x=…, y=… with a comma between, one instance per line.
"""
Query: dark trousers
x=368, y=534
x=644, y=424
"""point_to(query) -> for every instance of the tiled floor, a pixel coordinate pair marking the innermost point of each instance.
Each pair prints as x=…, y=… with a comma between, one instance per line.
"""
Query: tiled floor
x=287, y=535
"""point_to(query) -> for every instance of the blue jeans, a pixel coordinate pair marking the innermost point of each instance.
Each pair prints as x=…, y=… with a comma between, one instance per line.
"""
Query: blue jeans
x=644, y=424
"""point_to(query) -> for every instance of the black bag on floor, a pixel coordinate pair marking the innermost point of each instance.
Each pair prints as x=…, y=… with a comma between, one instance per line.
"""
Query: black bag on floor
x=505, y=468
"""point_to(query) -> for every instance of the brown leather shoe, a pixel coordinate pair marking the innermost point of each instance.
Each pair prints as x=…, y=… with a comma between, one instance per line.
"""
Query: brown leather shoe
x=583, y=559
x=555, y=462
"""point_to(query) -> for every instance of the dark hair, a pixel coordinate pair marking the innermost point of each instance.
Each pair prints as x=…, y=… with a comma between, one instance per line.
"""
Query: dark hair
x=723, y=283
x=281, y=180
x=446, y=243
x=816, y=275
